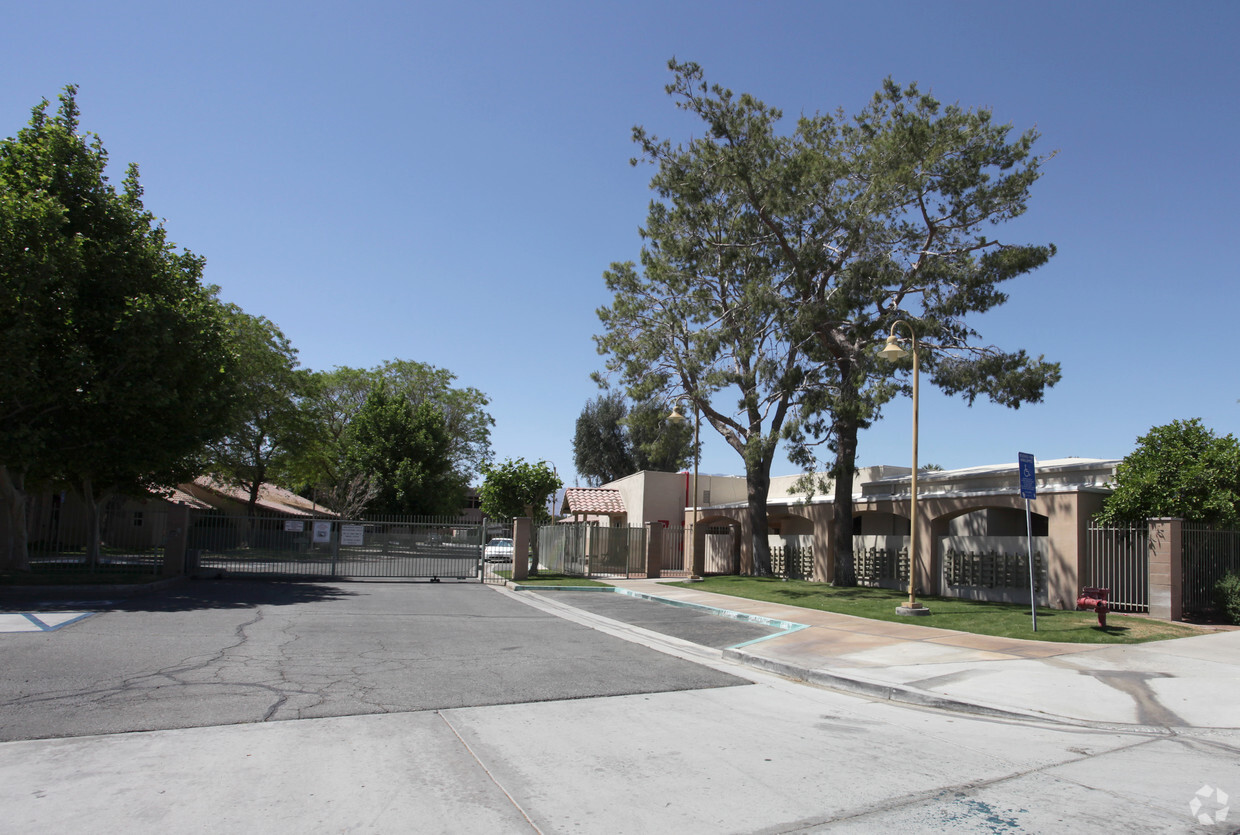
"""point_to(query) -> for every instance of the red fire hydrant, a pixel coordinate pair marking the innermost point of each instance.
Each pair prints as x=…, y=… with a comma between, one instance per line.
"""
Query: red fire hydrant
x=1096, y=599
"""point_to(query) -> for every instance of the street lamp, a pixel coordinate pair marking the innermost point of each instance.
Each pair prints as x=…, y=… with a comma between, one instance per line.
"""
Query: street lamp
x=677, y=418
x=892, y=352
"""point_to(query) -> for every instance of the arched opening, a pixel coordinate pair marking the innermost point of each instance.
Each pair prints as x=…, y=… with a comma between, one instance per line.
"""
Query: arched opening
x=719, y=541
x=982, y=553
x=791, y=539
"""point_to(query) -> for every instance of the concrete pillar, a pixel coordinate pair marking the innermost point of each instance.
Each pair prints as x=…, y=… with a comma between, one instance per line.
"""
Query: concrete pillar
x=177, y=537
x=654, y=550
x=1166, y=568
x=521, y=530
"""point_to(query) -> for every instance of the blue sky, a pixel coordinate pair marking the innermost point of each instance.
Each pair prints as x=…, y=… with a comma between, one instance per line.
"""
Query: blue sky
x=448, y=182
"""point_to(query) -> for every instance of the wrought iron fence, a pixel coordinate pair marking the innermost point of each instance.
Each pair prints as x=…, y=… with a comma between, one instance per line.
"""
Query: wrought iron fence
x=1118, y=557
x=585, y=550
x=675, y=560
x=387, y=547
x=1208, y=556
x=131, y=538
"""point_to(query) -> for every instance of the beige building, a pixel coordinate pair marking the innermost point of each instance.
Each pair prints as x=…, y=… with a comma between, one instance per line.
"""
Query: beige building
x=972, y=539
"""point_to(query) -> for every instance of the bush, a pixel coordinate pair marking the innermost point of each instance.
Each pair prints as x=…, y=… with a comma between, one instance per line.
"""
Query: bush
x=1227, y=592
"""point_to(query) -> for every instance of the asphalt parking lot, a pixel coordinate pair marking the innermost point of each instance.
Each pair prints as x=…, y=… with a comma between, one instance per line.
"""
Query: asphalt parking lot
x=694, y=625
x=227, y=652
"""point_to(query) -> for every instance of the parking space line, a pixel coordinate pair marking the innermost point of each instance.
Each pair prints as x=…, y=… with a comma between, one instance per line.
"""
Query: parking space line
x=41, y=622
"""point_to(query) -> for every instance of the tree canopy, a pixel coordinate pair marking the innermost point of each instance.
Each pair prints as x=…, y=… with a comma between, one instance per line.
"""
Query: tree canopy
x=406, y=450
x=613, y=440
x=329, y=463
x=775, y=265
x=517, y=488
x=117, y=369
x=267, y=422
x=1181, y=469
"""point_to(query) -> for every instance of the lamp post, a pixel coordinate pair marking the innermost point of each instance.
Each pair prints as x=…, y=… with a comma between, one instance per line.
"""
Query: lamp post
x=677, y=418
x=892, y=351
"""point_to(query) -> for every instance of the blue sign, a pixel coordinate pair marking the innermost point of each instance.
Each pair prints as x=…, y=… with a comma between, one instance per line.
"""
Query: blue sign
x=1028, y=486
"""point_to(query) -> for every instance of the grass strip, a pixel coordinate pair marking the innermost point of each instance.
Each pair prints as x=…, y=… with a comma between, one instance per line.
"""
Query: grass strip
x=1003, y=620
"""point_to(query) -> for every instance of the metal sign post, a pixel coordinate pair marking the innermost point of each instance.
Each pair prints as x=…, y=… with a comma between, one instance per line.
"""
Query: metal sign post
x=1028, y=491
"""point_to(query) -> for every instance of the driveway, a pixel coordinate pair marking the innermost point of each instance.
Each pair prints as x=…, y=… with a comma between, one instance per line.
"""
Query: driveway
x=231, y=652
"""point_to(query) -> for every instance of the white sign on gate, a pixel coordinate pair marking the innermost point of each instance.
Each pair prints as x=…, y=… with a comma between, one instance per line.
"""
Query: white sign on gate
x=322, y=531
x=351, y=534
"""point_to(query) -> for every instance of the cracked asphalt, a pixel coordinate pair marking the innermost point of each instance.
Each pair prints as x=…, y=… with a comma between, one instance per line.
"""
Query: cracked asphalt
x=233, y=652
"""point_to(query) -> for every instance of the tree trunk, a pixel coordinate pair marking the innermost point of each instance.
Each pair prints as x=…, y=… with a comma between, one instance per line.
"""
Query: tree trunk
x=93, y=535
x=14, y=555
x=758, y=486
x=843, y=471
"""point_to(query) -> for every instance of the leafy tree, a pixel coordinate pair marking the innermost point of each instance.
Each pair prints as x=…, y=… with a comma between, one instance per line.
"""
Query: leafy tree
x=612, y=441
x=116, y=369
x=775, y=265
x=407, y=452
x=657, y=443
x=600, y=450
x=1181, y=469
x=321, y=465
x=267, y=422
x=325, y=463
x=463, y=409
x=518, y=488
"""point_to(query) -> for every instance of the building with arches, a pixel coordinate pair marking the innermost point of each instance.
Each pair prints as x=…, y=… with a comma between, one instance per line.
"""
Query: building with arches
x=972, y=539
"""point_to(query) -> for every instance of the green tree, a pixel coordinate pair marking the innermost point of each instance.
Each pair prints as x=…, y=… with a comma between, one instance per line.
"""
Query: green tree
x=116, y=370
x=267, y=421
x=1181, y=469
x=321, y=465
x=600, y=449
x=518, y=488
x=325, y=465
x=407, y=452
x=776, y=265
x=613, y=440
x=657, y=443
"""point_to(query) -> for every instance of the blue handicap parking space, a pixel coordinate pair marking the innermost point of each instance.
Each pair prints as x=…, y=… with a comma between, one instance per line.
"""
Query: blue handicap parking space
x=39, y=621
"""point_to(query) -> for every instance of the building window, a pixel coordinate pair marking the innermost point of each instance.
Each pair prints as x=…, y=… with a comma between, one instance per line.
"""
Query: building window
x=705, y=497
x=137, y=518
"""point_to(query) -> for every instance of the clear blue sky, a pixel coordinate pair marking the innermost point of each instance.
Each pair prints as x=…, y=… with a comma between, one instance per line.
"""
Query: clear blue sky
x=446, y=182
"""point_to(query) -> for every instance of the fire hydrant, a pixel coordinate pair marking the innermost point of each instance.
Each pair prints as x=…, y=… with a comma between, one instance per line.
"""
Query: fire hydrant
x=1096, y=599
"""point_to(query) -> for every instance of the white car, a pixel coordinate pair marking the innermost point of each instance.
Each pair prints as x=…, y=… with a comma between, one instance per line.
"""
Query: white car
x=498, y=550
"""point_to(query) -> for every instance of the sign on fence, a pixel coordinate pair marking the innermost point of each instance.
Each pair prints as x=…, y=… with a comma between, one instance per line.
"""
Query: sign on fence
x=352, y=534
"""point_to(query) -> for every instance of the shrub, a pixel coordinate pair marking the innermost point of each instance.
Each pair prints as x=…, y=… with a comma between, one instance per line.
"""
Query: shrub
x=1227, y=592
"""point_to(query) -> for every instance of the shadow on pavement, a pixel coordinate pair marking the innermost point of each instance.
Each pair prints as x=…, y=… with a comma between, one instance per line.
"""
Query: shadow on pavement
x=188, y=596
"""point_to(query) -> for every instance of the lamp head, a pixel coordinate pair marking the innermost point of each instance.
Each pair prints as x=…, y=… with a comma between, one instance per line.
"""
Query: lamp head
x=892, y=351
x=676, y=416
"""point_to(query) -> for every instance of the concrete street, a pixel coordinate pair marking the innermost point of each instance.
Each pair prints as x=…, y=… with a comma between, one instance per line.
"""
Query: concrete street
x=465, y=708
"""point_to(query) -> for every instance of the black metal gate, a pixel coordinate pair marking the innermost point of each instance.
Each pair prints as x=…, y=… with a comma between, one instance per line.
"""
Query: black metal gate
x=431, y=549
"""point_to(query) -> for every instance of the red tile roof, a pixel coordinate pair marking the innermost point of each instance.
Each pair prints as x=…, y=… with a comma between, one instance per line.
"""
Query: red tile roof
x=594, y=500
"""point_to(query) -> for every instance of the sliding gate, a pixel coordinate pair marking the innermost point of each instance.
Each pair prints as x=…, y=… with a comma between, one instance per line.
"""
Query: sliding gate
x=432, y=549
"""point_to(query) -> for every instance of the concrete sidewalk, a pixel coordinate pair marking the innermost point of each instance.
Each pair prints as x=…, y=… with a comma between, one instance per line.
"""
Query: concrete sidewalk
x=1187, y=682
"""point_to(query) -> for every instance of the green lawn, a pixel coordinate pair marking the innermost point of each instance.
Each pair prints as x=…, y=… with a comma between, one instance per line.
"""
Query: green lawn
x=1000, y=619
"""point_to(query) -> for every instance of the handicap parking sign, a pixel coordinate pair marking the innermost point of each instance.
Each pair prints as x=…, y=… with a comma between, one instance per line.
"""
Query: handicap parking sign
x=1028, y=488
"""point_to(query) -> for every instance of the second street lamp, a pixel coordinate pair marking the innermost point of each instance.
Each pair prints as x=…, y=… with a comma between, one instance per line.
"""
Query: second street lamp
x=892, y=351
